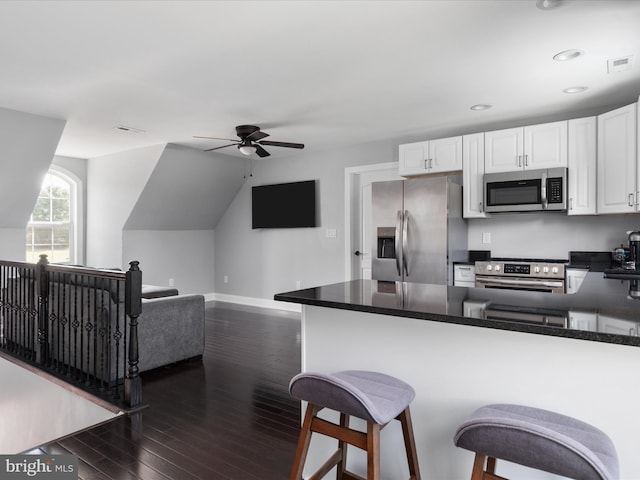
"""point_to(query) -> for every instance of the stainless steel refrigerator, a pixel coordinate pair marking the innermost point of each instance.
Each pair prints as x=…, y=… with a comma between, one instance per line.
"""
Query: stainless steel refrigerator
x=418, y=230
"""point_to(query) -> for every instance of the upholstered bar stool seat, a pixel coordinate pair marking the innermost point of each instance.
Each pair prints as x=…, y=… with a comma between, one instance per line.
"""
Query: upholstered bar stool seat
x=539, y=439
x=374, y=397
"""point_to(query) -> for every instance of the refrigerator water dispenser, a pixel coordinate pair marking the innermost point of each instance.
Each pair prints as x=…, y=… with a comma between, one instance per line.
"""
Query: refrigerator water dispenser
x=386, y=242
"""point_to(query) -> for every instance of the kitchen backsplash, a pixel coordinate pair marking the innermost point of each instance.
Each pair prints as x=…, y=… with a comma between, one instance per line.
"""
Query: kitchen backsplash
x=549, y=235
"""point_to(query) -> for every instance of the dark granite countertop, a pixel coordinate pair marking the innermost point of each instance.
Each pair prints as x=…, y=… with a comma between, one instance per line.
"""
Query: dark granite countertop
x=603, y=309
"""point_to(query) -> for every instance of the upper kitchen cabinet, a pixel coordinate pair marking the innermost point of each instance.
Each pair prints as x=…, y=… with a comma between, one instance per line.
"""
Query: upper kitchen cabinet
x=617, y=163
x=532, y=147
x=582, y=166
x=472, y=172
x=432, y=156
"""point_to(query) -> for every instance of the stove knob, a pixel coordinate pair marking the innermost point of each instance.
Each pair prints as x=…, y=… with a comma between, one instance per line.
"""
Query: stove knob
x=545, y=270
x=554, y=270
x=489, y=268
x=536, y=269
x=497, y=268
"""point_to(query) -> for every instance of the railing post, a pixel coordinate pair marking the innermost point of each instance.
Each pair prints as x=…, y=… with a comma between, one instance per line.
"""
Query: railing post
x=42, y=278
x=133, y=308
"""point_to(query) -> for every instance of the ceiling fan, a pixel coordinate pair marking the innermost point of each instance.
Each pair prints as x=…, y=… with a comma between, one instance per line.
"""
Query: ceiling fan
x=251, y=141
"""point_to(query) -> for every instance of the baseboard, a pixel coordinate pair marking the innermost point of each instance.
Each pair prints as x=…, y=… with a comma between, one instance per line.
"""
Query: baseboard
x=253, y=301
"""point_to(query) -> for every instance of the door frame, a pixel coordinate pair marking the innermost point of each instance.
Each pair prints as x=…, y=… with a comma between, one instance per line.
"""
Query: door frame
x=351, y=188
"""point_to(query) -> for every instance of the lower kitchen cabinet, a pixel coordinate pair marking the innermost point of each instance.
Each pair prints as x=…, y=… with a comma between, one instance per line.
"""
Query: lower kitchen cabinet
x=583, y=320
x=464, y=275
x=575, y=277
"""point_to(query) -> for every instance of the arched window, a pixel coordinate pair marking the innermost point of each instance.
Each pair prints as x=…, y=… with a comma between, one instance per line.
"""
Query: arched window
x=52, y=226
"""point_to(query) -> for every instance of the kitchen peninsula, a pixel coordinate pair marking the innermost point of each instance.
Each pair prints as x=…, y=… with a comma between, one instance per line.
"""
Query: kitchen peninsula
x=464, y=347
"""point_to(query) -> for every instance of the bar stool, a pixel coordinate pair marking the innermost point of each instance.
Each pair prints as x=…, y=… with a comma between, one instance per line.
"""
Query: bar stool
x=539, y=439
x=371, y=396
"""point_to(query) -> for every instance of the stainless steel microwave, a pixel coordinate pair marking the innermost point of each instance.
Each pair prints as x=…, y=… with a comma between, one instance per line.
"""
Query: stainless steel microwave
x=526, y=191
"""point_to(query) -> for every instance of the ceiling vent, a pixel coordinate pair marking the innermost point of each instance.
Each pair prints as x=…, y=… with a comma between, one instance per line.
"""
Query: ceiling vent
x=124, y=128
x=619, y=64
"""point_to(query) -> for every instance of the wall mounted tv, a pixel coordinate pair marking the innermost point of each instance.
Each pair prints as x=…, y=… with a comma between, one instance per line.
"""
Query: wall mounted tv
x=284, y=205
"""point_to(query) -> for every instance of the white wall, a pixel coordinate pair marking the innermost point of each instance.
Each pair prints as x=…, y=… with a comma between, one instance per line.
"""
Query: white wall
x=188, y=190
x=27, y=145
x=114, y=183
x=186, y=256
x=260, y=263
x=13, y=244
x=551, y=235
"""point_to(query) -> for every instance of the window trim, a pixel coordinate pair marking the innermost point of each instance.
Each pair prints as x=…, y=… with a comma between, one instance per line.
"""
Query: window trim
x=76, y=239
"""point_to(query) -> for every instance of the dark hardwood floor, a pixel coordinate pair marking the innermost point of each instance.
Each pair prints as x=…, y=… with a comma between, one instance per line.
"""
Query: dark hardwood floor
x=227, y=417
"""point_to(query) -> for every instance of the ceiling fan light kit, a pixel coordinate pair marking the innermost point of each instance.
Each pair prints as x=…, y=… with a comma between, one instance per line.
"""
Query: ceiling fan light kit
x=247, y=149
x=251, y=141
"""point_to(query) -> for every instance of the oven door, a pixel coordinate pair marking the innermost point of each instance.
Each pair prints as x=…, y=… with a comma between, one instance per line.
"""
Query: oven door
x=518, y=283
x=540, y=316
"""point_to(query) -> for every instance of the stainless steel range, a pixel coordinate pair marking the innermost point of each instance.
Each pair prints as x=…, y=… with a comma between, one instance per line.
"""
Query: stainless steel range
x=522, y=274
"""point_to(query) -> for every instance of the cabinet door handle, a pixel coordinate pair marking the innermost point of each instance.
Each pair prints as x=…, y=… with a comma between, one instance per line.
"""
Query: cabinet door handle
x=431, y=164
x=571, y=203
x=631, y=199
x=519, y=160
x=526, y=160
x=637, y=194
x=480, y=205
x=426, y=164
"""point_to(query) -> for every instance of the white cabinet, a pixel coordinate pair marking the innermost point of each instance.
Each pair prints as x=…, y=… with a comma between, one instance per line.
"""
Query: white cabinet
x=532, y=147
x=610, y=322
x=472, y=172
x=575, y=277
x=583, y=320
x=464, y=275
x=432, y=156
x=474, y=308
x=617, y=163
x=582, y=166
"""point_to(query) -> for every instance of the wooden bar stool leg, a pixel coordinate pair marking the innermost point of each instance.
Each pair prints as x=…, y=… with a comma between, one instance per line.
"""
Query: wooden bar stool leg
x=478, y=467
x=409, y=444
x=342, y=445
x=491, y=465
x=479, y=471
x=303, y=442
x=373, y=451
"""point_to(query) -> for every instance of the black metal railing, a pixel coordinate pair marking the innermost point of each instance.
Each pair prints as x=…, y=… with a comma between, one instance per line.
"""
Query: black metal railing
x=77, y=323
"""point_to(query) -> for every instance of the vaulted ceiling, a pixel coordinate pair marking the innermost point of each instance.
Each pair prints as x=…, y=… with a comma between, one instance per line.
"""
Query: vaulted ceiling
x=324, y=73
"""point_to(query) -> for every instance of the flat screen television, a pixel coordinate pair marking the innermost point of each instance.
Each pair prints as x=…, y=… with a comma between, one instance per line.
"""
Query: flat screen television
x=284, y=205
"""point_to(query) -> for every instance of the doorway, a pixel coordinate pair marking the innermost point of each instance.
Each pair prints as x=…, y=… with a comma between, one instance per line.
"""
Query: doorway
x=358, y=215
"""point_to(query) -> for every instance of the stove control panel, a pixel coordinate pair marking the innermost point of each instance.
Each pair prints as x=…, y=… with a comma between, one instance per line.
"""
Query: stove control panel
x=515, y=268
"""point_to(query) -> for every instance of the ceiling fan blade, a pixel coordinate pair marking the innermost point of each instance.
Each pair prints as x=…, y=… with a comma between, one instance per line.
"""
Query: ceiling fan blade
x=223, y=146
x=257, y=135
x=216, y=138
x=261, y=152
x=282, y=144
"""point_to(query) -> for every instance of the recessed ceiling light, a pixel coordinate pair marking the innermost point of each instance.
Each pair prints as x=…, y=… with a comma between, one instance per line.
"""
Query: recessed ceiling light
x=548, y=4
x=480, y=106
x=574, y=89
x=568, y=55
